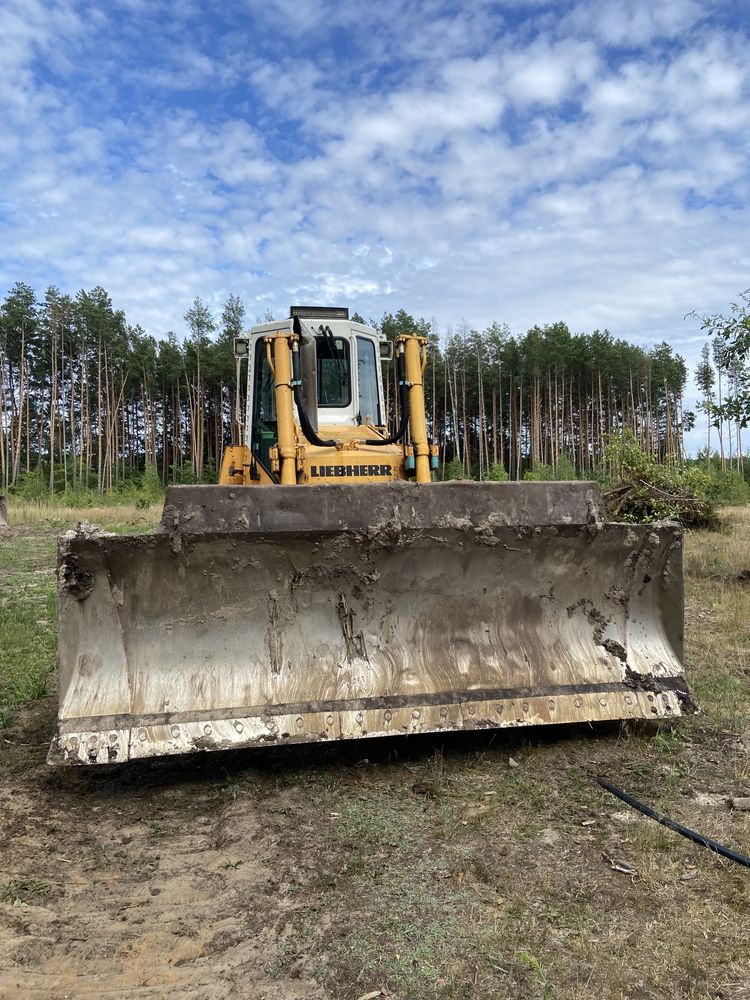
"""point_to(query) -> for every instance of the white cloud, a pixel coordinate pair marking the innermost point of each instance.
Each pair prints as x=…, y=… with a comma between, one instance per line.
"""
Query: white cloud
x=495, y=163
x=546, y=71
x=633, y=23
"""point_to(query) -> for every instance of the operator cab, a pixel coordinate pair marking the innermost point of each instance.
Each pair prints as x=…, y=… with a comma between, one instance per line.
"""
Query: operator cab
x=341, y=376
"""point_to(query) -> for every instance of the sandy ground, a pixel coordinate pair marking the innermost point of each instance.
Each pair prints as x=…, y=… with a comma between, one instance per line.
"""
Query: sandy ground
x=159, y=883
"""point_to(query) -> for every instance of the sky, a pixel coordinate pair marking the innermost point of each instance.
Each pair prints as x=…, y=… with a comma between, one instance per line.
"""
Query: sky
x=522, y=162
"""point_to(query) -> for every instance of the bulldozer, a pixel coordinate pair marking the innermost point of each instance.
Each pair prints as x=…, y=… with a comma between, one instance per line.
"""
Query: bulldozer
x=327, y=588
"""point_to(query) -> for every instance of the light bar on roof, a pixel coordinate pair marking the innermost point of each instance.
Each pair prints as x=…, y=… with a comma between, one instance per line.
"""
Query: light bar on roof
x=318, y=312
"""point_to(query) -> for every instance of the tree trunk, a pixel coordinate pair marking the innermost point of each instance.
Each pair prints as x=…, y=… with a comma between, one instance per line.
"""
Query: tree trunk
x=19, y=428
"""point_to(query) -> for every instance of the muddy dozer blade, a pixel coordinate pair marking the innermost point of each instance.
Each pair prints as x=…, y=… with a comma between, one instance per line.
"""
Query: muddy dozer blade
x=284, y=614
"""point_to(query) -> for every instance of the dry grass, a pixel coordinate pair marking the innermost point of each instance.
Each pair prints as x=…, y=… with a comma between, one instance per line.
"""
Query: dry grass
x=434, y=869
x=124, y=517
x=717, y=591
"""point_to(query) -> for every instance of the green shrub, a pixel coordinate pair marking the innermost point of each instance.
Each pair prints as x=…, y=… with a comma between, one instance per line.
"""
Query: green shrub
x=78, y=497
x=454, y=470
x=540, y=473
x=182, y=475
x=644, y=489
x=497, y=473
x=728, y=486
x=564, y=470
x=32, y=485
x=151, y=486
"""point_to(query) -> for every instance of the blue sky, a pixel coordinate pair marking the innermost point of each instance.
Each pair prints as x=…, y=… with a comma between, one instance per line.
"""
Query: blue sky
x=522, y=162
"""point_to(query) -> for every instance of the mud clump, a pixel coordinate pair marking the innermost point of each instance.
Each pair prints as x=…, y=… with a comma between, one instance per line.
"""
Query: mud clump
x=75, y=579
x=616, y=649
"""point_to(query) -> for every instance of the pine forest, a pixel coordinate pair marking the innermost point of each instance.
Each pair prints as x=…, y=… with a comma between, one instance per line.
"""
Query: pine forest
x=89, y=401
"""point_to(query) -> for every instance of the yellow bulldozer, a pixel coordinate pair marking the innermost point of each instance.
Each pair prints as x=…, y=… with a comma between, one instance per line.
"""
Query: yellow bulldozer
x=328, y=589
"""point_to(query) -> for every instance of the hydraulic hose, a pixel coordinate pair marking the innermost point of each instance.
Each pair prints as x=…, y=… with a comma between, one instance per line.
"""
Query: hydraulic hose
x=697, y=838
x=304, y=420
x=403, y=396
x=331, y=342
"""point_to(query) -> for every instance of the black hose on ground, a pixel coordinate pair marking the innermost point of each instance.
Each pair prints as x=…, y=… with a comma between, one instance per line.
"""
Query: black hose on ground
x=697, y=838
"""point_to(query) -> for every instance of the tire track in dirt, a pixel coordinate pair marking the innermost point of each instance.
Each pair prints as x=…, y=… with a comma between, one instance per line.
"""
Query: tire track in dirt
x=162, y=882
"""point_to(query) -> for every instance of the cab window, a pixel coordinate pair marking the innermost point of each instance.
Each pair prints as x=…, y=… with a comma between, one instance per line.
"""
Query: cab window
x=333, y=371
x=367, y=377
x=264, y=432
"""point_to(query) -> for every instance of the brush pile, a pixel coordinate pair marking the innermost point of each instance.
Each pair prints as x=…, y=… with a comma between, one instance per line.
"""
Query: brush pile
x=647, y=490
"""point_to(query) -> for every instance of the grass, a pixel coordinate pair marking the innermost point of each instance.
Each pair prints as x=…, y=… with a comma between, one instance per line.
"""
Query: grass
x=28, y=619
x=28, y=610
x=123, y=518
x=434, y=870
x=455, y=875
x=23, y=890
x=718, y=621
x=534, y=965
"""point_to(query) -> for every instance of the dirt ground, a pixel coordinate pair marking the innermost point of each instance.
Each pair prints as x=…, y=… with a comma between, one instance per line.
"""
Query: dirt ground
x=160, y=881
x=476, y=865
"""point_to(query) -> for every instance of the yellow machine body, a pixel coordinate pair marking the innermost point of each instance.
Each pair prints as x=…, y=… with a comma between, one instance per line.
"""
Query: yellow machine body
x=352, y=458
x=327, y=589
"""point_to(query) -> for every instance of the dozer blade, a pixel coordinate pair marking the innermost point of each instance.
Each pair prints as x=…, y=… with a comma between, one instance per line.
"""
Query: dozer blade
x=288, y=614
